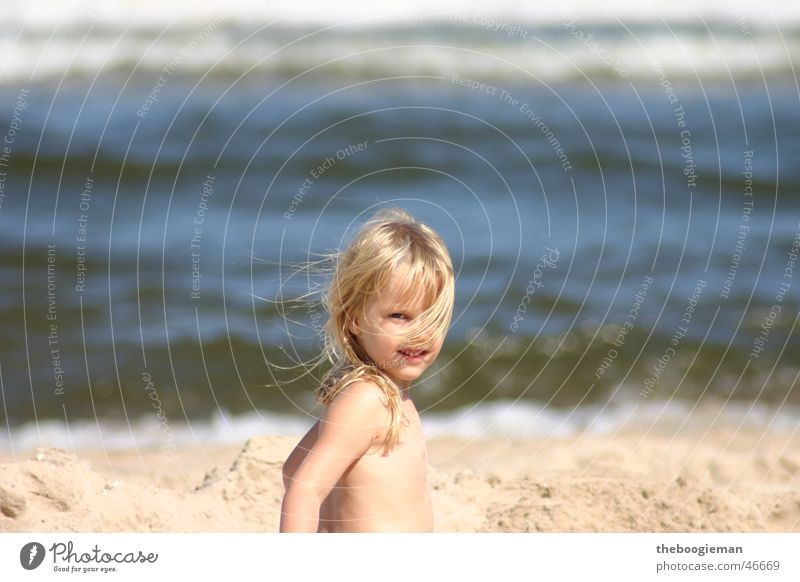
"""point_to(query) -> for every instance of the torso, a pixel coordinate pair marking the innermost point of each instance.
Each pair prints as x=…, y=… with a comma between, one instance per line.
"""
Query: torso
x=384, y=493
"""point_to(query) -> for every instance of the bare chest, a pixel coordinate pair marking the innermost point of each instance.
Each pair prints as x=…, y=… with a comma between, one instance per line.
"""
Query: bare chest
x=404, y=464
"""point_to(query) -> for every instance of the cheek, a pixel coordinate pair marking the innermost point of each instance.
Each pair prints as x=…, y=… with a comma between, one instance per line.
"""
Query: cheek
x=391, y=338
x=384, y=337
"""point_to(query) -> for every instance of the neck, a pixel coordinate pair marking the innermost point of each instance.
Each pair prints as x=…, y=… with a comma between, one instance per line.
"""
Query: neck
x=404, y=387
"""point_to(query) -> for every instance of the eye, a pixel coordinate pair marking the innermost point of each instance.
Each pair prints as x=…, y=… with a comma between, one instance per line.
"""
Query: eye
x=398, y=316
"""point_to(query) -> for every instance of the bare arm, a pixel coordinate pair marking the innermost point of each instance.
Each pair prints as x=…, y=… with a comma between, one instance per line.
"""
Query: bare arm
x=295, y=459
x=346, y=431
x=298, y=455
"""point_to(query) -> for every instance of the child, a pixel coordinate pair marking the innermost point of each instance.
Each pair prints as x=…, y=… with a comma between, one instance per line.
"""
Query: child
x=362, y=467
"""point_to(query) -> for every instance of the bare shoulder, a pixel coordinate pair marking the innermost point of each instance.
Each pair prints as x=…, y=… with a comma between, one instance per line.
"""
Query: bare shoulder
x=363, y=389
x=361, y=398
x=359, y=412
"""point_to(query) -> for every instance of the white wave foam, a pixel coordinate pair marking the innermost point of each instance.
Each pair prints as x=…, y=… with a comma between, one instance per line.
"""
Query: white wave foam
x=49, y=39
x=509, y=419
x=155, y=14
x=492, y=420
x=680, y=58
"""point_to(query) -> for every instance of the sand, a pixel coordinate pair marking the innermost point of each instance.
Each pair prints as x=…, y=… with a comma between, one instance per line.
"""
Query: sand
x=639, y=482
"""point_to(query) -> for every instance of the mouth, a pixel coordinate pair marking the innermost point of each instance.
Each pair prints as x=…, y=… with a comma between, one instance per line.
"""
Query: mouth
x=413, y=355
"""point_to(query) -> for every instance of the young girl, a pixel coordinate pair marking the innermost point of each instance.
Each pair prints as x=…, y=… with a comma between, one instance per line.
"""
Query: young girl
x=362, y=467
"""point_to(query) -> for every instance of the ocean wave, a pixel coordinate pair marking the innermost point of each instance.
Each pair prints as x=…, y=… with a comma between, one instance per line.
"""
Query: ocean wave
x=505, y=419
x=501, y=41
x=151, y=14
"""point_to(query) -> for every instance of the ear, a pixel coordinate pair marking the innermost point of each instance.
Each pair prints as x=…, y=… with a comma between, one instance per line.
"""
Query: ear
x=352, y=326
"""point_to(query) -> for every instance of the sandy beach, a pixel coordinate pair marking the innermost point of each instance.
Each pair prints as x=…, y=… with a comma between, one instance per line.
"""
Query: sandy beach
x=718, y=481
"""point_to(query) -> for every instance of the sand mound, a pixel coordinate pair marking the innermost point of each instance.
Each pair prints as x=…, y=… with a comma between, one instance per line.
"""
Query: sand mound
x=56, y=491
x=533, y=486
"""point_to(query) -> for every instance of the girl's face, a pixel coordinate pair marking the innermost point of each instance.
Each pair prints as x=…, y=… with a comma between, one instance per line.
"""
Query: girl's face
x=380, y=332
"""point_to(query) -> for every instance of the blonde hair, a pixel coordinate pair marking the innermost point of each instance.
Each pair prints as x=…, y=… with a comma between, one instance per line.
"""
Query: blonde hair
x=390, y=238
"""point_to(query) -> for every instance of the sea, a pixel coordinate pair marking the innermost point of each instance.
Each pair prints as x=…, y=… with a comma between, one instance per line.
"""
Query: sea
x=618, y=186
